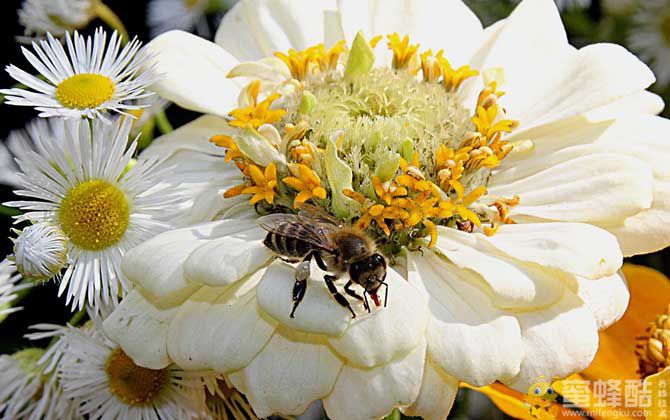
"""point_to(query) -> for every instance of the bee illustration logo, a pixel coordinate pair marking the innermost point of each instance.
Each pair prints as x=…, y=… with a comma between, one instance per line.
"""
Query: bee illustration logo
x=540, y=399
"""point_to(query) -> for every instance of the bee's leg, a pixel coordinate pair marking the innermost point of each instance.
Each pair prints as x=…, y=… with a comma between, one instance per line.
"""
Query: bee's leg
x=352, y=293
x=302, y=273
x=319, y=261
x=337, y=295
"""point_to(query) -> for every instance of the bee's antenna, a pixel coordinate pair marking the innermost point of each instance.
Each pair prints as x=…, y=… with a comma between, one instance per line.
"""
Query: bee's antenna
x=365, y=296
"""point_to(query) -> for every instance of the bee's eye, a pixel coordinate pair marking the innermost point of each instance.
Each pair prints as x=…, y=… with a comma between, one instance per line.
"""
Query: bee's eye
x=537, y=390
x=550, y=390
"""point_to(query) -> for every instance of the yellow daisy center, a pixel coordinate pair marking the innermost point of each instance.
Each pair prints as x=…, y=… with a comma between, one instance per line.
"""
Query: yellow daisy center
x=94, y=215
x=132, y=384
x=85, y=90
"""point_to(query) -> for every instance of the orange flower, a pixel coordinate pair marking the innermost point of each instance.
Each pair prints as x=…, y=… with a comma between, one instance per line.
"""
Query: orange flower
x=306, y=181
x=263, y=184
x=256, y=114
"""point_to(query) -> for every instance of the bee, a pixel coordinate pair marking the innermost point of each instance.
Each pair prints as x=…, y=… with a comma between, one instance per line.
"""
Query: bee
x=336, y=248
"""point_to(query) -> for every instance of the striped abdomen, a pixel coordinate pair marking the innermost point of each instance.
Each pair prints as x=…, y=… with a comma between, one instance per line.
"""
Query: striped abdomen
x=287, y=246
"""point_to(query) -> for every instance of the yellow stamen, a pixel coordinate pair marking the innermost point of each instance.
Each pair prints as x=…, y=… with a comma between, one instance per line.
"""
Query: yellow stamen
x=430, y=65
x=85, y=90
x=264, y=184
x=653, y=348
x=404, y=54
x=257, y=114
x=94, y=215
x=232, y=152
x=306, y=181
x=453, y=78
x=132, y=384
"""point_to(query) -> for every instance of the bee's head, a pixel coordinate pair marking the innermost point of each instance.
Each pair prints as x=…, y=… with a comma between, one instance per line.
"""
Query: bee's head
x=370, y=273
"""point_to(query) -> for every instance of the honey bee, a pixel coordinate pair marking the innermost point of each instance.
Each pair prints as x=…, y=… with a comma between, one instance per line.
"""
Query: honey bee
x=335, y=247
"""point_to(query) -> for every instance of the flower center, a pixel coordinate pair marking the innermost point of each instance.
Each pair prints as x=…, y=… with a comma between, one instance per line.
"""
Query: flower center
x=94, y=215
x=132, y=384
x=653, y=348
x=85, y=90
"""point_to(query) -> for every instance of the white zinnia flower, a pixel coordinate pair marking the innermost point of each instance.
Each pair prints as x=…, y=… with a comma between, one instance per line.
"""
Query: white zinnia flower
x=56, y=17
x=81, y=184
x=587, y=162
x=164, y=15
x=9, y=287
x=40, y=251
x=650, y=37
x=88, y=80
x=108, y=384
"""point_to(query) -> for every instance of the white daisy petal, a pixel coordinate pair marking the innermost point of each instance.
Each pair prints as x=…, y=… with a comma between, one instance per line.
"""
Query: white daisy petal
x=607, y=298
x=288, y=374
x=558, y=341
x=193, y=136
x=141, y=329
x=377, y=391
x=252, y=30
x=437, y=394
x=467, y=336
x=219, y=329
x=192, y=68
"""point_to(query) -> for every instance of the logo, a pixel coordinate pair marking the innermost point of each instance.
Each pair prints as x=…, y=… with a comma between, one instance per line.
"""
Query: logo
x=541, y=400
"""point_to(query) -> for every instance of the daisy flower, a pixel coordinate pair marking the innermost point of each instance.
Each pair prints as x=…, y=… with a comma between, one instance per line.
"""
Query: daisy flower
x=82, y=184
x=89, y=80
x=9, y=287
x=501, y=173
x=164, y=15
x=108, y=384
x=650, y=37
x=55, y=17
x=40, y=251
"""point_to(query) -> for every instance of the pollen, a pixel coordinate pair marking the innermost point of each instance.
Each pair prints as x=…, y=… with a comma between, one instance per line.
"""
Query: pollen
x=132, y=384
x=653, y=348
x=94, y=215
x=85, y=90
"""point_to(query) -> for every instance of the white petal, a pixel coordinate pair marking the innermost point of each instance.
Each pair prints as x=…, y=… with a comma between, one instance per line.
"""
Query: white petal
x=219, y=329
x=194, y=73
x=254, y=29
x=388, y=333
x=601, y=187
x=141, y=329
x=576, y=248
x=434, y=24
x=373, y=393
x=290, y=373
x=607, y=298
x=558, y=341
x=437, y=394
x=227, y=259
x=467, y=337
x=157, y=264
x=643, y=102
x=318, y=312
x=513, y=283
x=194, y=135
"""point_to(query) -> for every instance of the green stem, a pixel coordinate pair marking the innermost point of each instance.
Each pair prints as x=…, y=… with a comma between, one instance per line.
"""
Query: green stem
x=9, y=211
x=108, y=16
x=395, y=415
x=163, y=123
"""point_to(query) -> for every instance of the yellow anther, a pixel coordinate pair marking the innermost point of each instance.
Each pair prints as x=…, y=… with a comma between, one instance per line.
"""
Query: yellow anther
x=430, y=65
x=453, y=78
x=257, y=114
x=232, y=152
x=404, y=54
x=489, y=124
x=263, y=184
x=306, y=181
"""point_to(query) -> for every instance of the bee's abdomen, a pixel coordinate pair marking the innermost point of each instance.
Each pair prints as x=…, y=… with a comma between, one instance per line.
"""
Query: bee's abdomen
x=287, y=246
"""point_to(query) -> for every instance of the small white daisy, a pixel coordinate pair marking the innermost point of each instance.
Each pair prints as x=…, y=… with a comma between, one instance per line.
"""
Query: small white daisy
x=40, y=251
x=95, y=371
x=39, y=17
x=20, y=142
x=91, y=78
x=9, y=287
x=650, y=37
x=28, y=390
x=165, y=15
x=81, y=184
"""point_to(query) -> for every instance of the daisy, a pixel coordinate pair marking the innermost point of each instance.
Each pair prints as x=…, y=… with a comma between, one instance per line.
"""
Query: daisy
x=20, y=142
x=40, y=251
x=9, y=287
x=650, y=37
x=224, y=402
x=57, y=17
x=89, y=80
x=164, y=15
x=82, y=185
x=501, y=172
x=108, y=384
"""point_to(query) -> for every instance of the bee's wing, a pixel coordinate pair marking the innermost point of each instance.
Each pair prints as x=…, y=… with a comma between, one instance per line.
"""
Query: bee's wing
x=293, y=226
x=316, y=214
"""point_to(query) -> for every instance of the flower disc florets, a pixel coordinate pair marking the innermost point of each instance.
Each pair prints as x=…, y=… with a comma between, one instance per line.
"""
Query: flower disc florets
x=394, y=153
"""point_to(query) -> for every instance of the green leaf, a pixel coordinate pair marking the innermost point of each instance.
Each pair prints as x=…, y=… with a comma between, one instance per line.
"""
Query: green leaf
x=361, y=58
x=339, y=178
